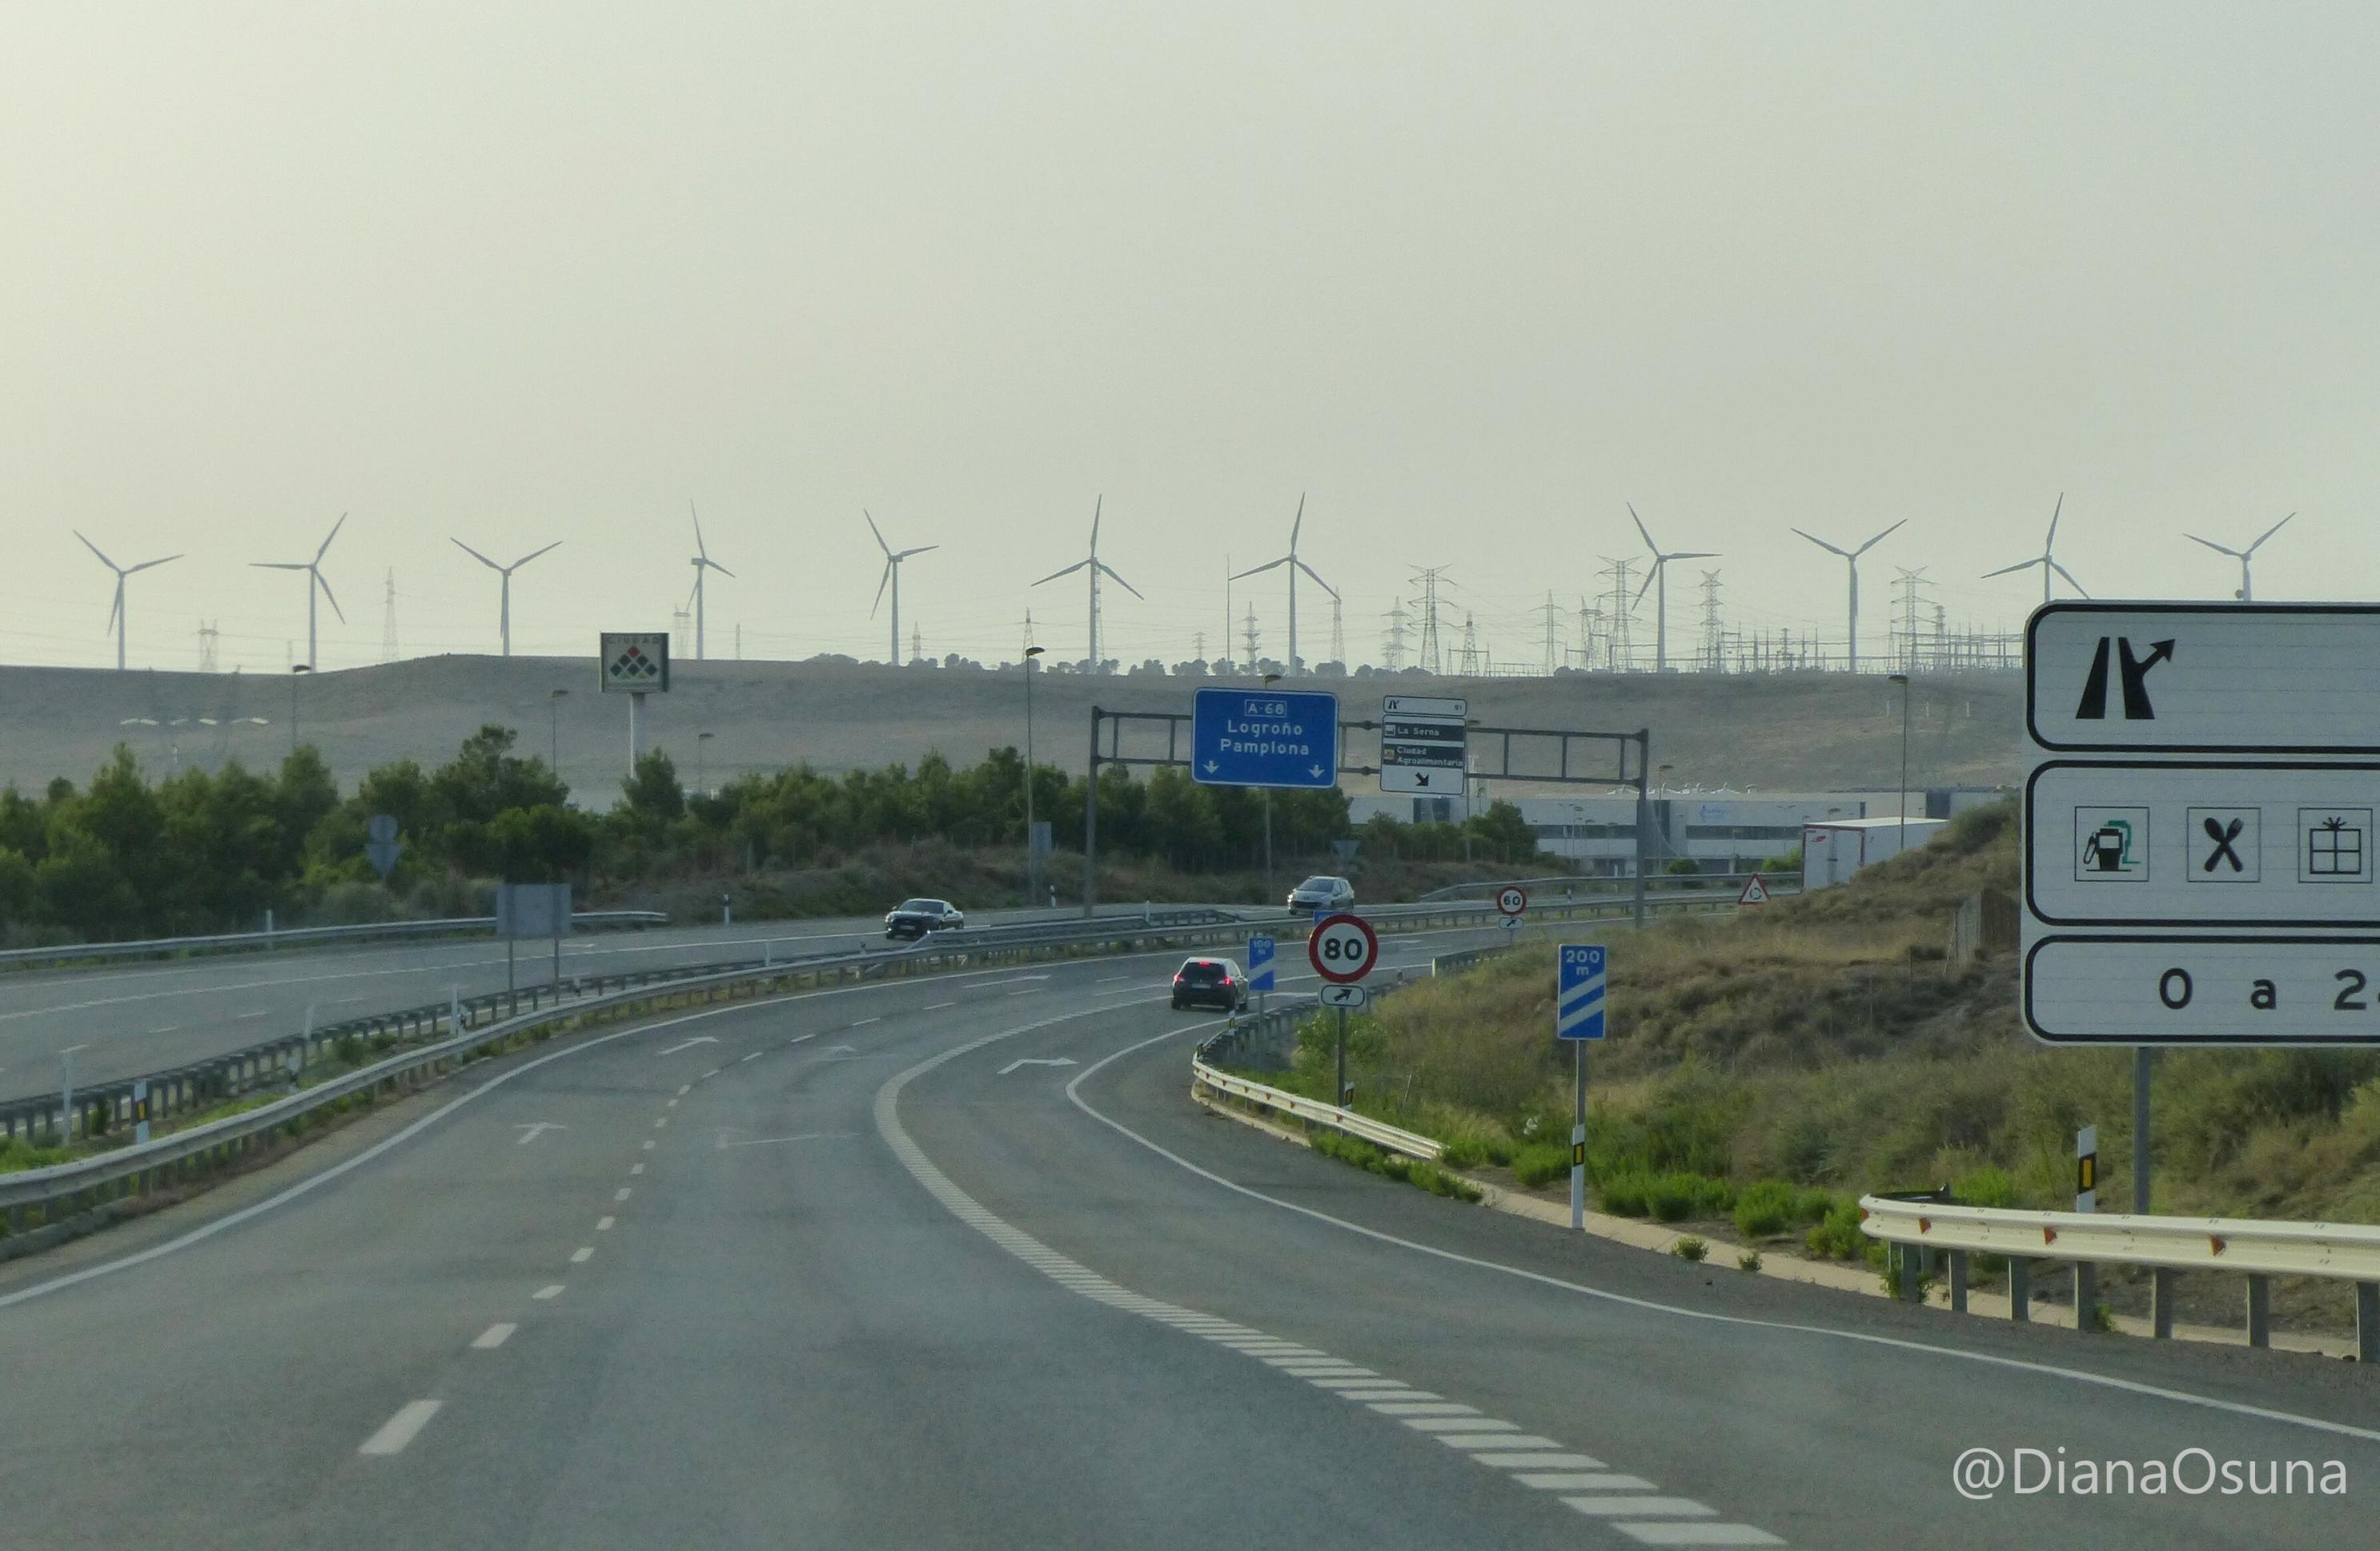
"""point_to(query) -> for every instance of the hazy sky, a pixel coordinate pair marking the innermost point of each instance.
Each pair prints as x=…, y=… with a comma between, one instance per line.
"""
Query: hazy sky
x=1471, y=276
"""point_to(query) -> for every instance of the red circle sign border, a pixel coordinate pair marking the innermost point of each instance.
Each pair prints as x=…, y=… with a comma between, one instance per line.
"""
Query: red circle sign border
x=1338, y=977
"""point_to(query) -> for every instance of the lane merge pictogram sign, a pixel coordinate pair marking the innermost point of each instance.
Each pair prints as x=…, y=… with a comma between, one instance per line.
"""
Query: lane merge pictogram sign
x=1264, y=738
x=2198, y=823
x=1578, y=992
x=1424, y=746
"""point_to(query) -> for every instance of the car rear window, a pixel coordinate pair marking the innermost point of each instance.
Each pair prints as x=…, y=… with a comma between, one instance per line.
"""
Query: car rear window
x=1202, y=971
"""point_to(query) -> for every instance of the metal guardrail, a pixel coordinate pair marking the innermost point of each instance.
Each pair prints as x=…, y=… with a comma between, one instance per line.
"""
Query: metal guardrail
x=298, y=936
x=2256, y=1248
x=1577, y=883
x=1380, y=1133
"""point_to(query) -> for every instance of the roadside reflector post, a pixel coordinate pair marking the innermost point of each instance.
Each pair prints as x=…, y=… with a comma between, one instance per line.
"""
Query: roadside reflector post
x=2367, y=1321
x=2086, y=1199
x=2020, y=1289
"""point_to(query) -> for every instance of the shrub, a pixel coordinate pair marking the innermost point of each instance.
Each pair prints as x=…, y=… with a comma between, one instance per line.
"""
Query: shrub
x=1541, y=1163
x=1623, y=1194
x=1748, y=1261
x=1838, y=1237
x=1673, y=1198
x=1764, y=1208
x=1986, y=1187
x=1690, y=1248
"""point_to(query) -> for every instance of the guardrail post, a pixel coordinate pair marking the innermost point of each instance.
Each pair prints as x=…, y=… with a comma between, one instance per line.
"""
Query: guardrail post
x=2161, y=1290
x=1909, y=1260
x=2020, y=1289
x=2259, y=1310
x=2086, y=1296
x=1957, y=1281
x=2367, y=1321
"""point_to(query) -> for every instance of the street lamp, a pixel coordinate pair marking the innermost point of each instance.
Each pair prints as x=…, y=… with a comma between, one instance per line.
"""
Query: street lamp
x=553, y=699
x=1032, y=851
x=297, y=671
x=1271, y=680
x=1902, y=680
x=701, y=787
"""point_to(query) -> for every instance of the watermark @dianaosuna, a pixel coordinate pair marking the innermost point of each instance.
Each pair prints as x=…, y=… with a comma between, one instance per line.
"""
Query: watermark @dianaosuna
x=1983, y=1473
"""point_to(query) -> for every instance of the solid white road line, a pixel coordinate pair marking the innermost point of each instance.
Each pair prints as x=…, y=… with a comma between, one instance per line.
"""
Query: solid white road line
x=493, y=1337
x=548, y=1293
x=398, y=1430
x=582, y=1254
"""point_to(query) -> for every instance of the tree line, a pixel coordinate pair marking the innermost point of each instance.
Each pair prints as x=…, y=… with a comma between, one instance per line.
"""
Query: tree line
x=198, y=852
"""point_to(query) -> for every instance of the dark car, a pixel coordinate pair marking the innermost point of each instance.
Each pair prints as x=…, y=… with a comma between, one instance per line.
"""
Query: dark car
x=915, y=918
x=1210, y=983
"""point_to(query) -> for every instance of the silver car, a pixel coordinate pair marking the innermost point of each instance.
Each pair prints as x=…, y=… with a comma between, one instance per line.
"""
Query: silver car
x=1320, y=892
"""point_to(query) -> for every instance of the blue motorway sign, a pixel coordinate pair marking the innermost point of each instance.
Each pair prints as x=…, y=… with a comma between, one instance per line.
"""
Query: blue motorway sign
x=1264, y=738
x=1578, y=993
x=1260, y=963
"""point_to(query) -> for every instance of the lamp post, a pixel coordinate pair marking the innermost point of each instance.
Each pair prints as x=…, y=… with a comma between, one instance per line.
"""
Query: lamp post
x=1032, y=851
x=701, y=787
x=553, y=699
x=297, y=671
x=1271, y=680
x=1902, y=680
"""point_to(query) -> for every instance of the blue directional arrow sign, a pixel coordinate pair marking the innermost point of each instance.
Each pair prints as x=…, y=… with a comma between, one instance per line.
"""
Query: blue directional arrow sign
x=1260, y=963
x=1260, y=737
x=1578, y=995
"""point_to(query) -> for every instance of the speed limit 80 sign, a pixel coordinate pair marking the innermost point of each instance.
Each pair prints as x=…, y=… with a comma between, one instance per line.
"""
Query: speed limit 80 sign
x=1344, y=948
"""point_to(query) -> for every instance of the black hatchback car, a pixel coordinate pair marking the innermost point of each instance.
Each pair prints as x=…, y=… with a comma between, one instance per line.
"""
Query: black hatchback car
x=1210, y=983
x=915, y=918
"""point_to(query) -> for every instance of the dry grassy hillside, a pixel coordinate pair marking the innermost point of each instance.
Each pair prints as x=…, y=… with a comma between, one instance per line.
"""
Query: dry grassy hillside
x=1804, y=733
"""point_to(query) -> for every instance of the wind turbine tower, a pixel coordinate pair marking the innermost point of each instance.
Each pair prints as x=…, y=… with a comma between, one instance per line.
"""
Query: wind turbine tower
x=1295, y=566
x=891, y=578
x=2047, y=559
x=115, y=612
x=504, y=589
x=701, y=562
x=314, y=569
x=1095, y=567
x=1851, y=559
x=1659, y=585
x=2246, y=593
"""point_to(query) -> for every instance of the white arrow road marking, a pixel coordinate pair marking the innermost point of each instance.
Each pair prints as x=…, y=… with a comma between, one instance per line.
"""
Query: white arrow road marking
x=699, y=1039
x=535, y=1129
x=1036, y=1061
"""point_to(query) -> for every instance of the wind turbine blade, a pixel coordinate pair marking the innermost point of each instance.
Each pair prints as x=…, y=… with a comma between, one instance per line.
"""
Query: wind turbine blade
x=1068, y=571
x=146, y=563
x=474, y=553
x=2067, y=575
x=1652, y=576
x=324, y=582
x=534, y=554
x=881, y=583
x=115, y=607
x=2217, y=547
x=2052, y=542
x=1110, y=573
x=1265, y=567
x=1881, y=537
x=326, y=543
x=1640, y=528
x=111, y=565
x=1097, y=502
x=1297, y=524
x=1693, y=555
x=1824, y=544
x=717, y=566
x=877, y=531
x=2268, y=533
x=700, y=552
x=921, y=549
x=2020, y=566
x=281, y=565
x=1317, y=579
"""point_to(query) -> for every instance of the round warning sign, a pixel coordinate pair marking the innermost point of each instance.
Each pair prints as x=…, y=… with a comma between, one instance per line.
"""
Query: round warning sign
x=1344, y=948
x=1512, y=899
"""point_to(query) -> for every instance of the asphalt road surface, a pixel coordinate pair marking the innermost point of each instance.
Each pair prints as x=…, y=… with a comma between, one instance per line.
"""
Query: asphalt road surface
x=955, y=1263
x=141, y=1018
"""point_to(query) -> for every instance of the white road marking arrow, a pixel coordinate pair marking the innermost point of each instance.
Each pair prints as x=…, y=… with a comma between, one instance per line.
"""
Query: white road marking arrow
x=699, y=1039
x=1036, y=1061
x=531, y=1131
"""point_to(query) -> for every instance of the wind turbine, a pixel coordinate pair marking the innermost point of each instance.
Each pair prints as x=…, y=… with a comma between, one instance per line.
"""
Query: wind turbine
x=1660, y=579
x=701, y=562
x=2047, y=559
x=314, y=569
x=1295, y=566
x=2246, y=593
x=505, y=616
x=1851, y=558
x=116, y=613
x=1095, y=567
x=892, y=576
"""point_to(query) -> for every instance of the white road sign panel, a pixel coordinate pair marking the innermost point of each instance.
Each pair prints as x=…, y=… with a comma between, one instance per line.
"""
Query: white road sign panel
x=635, y=662
x=2238, y=989
x=1424, y=746
x=2202, y=844
x=2205, y=678
x=1342, y=996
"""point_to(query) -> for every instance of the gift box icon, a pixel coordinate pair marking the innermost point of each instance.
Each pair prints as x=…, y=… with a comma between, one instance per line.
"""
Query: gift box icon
x=2334, y=849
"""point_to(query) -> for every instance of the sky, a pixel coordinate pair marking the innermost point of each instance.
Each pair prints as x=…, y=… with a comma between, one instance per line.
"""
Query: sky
x=1470, y=280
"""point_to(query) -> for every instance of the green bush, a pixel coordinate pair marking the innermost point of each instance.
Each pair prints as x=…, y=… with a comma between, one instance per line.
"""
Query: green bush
x=1540, y=1165
x=1676, y=1197
x=1623, y=1196
x=1748, y=1261
x=1838, y=1237
x=1764, y=1208
x=1986, y=1187
x=1690, y=1248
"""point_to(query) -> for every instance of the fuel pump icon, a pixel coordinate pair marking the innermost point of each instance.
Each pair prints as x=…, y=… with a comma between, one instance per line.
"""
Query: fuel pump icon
x=2108, y=849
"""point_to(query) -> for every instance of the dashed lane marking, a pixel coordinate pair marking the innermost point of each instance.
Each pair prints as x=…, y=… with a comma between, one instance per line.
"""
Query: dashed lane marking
x=620, y=1194
x=754, y=1056
x=493, y=1337
x=548, y=1293
x=399, y=1430
x=582, y=1254
x=604, y=1224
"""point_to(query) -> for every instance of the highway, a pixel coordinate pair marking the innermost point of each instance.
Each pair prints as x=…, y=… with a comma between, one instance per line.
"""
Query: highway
x=133, y=1019
x=956, y=1262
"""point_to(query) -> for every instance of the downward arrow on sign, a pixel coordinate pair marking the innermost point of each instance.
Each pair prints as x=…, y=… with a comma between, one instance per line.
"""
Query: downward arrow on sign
x=1036, y=1061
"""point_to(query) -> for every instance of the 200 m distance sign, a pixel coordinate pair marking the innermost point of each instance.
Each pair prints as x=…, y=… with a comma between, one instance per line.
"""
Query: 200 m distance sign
x=1344, y=948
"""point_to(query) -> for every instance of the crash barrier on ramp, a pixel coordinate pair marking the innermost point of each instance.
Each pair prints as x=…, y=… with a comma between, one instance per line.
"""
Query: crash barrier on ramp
x=298, y=936
x=1579, y=886
x=1928, y=1232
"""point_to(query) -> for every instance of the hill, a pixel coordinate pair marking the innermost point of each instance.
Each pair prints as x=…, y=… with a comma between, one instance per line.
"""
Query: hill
x=1796, y=732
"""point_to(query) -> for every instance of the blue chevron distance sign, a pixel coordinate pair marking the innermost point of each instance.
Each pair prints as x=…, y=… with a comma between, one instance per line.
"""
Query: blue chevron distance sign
x=1578, y=993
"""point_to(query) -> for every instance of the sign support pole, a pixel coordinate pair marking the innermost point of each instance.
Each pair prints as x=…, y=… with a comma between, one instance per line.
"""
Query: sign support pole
x=1091, y=825
x=635, y=729
x=2144, y=1065
x=1341, y=1089
x=1578, y=1140
x=1644, y=817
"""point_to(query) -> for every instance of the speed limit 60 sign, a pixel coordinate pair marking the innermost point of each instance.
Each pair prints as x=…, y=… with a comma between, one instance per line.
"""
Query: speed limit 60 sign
x=1344, y=948
x=1512, y=899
